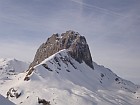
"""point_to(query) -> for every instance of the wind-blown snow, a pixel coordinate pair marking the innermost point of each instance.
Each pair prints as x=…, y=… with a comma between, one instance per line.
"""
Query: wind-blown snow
x=63, y=81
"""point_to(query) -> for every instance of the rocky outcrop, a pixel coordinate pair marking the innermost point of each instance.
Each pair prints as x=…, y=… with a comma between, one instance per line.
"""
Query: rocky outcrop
x=13, y=93
x=73, y=41
x=43, y=102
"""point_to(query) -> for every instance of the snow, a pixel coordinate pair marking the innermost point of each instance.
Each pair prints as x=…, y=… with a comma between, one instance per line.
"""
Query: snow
x=13, y=64
x=63, y=81
x=9, y=67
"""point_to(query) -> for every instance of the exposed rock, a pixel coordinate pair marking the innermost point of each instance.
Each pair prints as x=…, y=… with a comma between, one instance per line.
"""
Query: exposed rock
x=13, y=93
x=30, y=70
x=46, y=66
x=73, y=41
x=43, y=102
x=26, y=78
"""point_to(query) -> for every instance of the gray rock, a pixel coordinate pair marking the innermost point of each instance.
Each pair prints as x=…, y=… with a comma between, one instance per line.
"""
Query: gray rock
x=73, y=41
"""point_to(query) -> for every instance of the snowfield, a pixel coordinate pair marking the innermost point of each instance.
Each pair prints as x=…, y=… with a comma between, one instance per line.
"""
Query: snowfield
x=61, y=80
x=9, y=67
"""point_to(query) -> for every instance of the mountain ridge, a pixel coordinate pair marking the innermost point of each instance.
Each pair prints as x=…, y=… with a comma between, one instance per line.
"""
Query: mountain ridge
x=76, y=85
x=60, y=79
x=71, y=40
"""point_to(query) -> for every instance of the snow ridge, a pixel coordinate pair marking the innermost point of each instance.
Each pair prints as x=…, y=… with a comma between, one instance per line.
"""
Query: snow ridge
x=63, y=73
x=62, y=80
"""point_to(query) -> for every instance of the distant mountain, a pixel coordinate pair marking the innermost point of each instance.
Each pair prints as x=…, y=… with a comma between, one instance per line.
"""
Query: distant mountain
x=63, y=73
x=9, y=67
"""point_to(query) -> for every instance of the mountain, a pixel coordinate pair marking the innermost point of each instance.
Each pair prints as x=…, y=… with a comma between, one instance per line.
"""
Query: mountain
x=66, y=75
x=9, y=67
x=72, y=41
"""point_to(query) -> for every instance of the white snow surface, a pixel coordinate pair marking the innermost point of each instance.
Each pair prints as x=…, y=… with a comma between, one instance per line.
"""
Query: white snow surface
x=9, y=67
x=63, y=81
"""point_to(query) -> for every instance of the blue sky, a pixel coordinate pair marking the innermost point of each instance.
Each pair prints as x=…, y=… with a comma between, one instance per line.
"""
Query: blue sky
x=111, y=27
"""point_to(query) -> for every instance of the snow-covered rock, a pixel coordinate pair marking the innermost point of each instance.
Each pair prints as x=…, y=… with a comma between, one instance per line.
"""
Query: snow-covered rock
x=58, y=77
x=62, y=80
x=71, y=40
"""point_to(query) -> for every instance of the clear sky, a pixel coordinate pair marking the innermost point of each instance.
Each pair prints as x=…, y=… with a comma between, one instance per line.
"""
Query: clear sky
x=111, y=27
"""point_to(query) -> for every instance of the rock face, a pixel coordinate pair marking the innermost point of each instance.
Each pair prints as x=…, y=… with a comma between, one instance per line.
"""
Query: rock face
x=73, y=41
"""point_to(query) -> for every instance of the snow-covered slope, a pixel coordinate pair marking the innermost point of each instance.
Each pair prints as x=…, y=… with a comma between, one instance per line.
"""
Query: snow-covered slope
x=61, y=80
x=10, y=67
x=13, y=65
x=4, y=101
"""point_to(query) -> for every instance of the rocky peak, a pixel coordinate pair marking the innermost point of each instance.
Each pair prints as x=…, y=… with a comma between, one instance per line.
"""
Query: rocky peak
x=72, y=41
